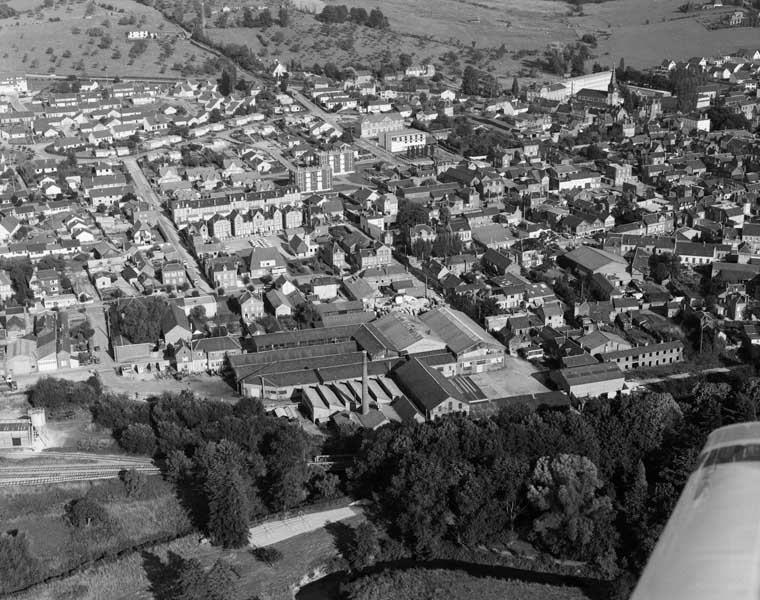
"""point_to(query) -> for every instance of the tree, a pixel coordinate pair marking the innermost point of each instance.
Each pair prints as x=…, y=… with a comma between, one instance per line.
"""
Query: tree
x=264, y=19
x=515, y=88
x=135, y=483
x=138, y=438
x=366, y=546
x=358, y=15
x=248, y=19
x=228, y=81
x=404, y=61
x=192, y=582
x=138, y=319
x=198, y=315
x=574, y=519
x=722, y=117
x=285, y=450
x=225, y=487
x=665, y=266
x=283, y=16
x=377, y=19
x=470, y=81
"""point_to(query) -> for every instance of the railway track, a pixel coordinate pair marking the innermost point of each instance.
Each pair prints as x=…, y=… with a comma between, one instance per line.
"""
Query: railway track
x=78, y=467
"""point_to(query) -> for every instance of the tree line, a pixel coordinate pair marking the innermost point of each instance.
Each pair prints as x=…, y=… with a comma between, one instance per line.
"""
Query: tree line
x=334, y=13
x=231, y=464
x=595, y=486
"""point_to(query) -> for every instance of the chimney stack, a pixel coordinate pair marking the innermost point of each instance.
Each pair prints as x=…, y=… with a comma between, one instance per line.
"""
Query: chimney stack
x=365, y=394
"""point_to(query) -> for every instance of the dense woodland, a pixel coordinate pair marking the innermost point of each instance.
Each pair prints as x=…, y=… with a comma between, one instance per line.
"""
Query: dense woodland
x=231, y=464
x=464, y=482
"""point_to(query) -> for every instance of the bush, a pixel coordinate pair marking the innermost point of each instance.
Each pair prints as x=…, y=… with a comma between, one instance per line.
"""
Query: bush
x=135, y=483
x=85, y=512
x=267, y=554
x=18, y=568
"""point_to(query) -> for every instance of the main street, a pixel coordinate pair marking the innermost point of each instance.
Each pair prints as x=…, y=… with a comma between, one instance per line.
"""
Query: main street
x=144, y=191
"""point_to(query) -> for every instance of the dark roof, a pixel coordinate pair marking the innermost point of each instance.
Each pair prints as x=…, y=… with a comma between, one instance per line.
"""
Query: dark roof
x=425, y=384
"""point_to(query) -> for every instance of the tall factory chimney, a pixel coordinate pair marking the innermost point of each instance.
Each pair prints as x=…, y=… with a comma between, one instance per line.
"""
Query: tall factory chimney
x=365, y=393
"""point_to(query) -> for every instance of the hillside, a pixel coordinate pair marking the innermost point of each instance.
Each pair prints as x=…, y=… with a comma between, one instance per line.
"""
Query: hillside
x=86, y=39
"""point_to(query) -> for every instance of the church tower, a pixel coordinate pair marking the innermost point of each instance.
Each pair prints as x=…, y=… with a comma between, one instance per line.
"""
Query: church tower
x=613, y=97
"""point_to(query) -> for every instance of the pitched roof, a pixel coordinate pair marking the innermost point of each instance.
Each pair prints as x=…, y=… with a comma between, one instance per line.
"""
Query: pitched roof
x=458, y=330
x=426, y=384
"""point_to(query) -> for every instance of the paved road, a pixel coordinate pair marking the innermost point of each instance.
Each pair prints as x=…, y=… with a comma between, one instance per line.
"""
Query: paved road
x=16, y=103
x=652, y=380
x=276, y=154
x=276, y=531
x=145, y=191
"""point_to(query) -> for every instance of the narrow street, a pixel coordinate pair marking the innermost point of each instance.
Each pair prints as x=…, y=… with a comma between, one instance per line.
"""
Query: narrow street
x=144, y=191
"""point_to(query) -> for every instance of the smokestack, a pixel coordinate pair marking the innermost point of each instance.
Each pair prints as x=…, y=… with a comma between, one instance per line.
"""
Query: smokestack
x=365, y=394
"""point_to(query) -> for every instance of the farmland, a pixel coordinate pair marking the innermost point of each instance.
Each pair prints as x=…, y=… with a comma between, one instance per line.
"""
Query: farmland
x=73, y=39
x=495, y=35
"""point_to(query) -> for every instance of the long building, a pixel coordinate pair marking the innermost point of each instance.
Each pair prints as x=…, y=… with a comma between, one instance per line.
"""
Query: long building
x=590, y=381
x=203, y=208
x=651, y=355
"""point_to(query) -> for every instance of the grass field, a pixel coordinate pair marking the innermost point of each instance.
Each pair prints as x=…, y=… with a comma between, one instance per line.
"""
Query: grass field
x=25, y=40
x=39, y=512
x=128, y=578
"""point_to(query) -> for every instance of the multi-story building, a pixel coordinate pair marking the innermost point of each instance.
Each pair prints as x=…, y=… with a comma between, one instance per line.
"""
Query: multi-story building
x=340, y=161
x=223, y=272
x=651, y=355
x=197, y=209
x=376, y=256
x=312, y=179
x=173, y=274
x=403, y=140
x=372, y=126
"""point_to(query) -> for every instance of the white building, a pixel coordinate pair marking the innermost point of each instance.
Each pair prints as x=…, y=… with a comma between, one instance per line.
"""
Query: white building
x=401, y=141
x=13, y=84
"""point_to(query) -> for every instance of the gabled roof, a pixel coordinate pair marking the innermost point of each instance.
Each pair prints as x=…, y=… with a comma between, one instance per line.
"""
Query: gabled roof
x=174, y=317
x=222, y=343
x=426, y=384
x=459, y=331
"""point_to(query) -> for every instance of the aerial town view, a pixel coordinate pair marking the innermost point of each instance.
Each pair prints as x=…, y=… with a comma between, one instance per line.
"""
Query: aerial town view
x=430, y=300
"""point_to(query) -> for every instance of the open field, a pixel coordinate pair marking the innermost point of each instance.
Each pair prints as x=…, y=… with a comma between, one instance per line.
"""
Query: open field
x=134, y=577
x=58, y=546
x=25, y=40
